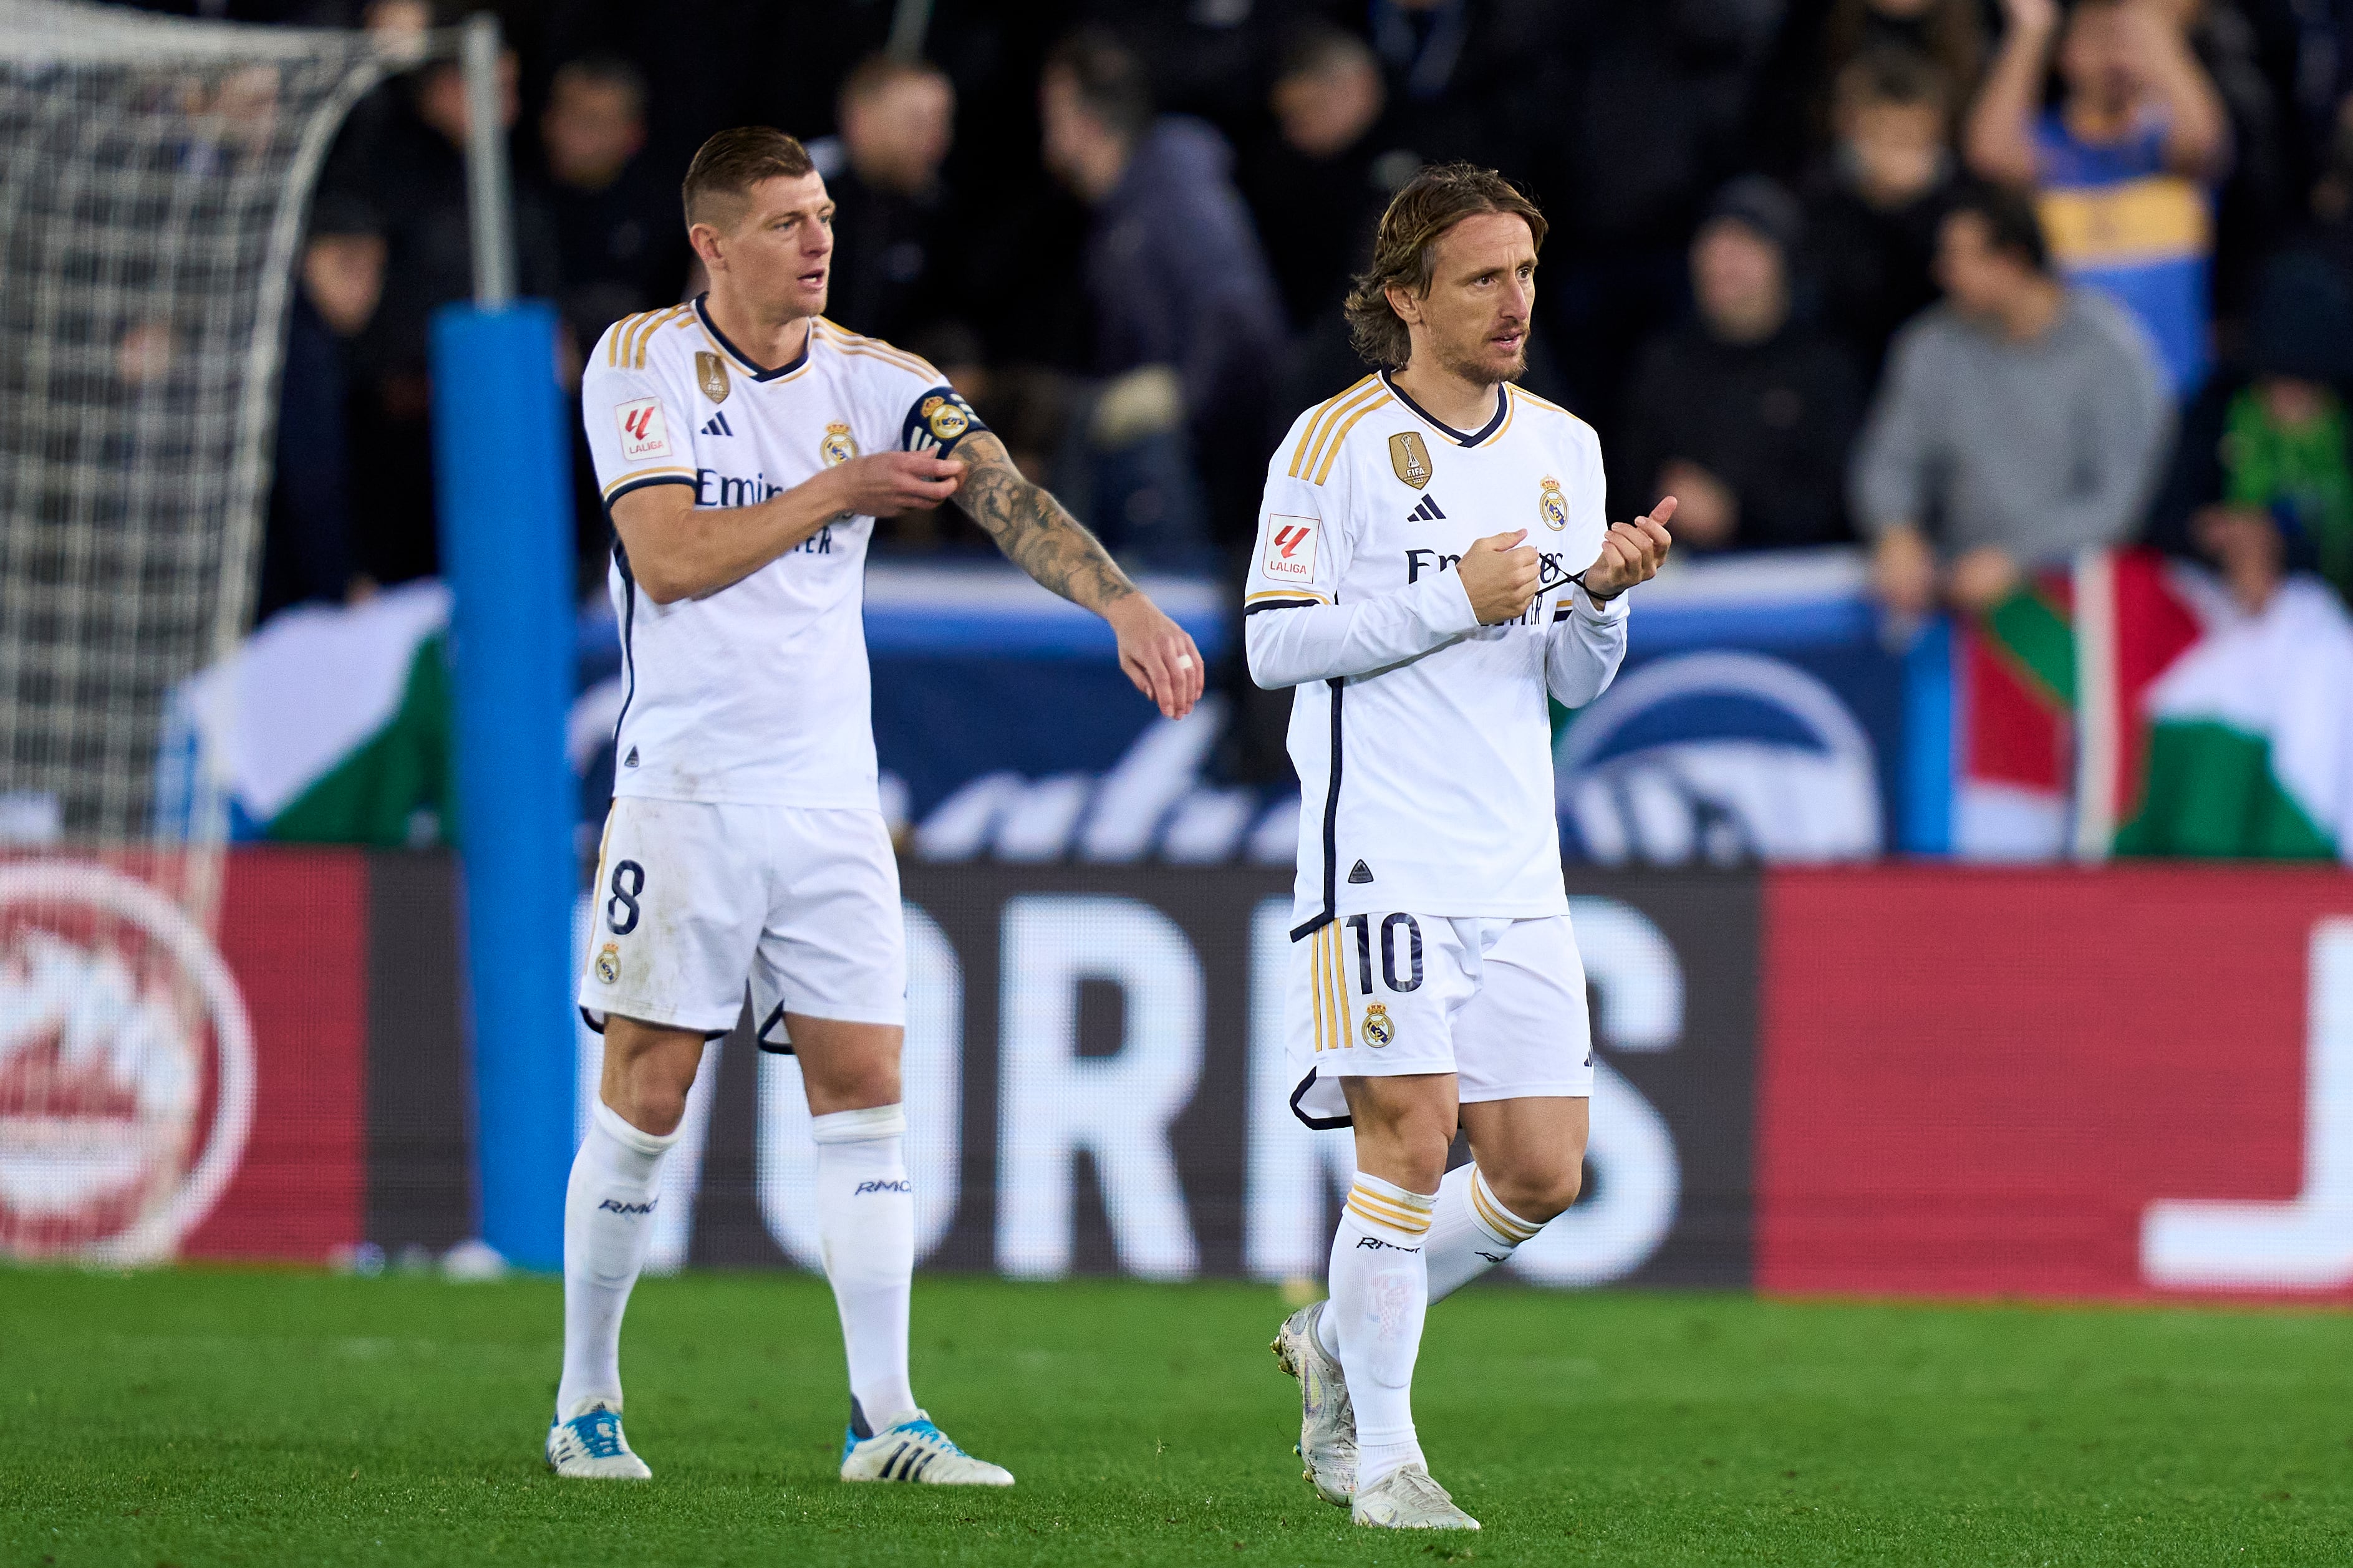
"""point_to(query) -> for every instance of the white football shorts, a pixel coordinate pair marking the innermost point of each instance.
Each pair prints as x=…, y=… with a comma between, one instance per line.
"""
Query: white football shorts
x=694, y=900
x=1498, y=1003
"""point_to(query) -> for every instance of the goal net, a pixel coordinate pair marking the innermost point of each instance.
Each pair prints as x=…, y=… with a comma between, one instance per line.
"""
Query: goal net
x=154, y=175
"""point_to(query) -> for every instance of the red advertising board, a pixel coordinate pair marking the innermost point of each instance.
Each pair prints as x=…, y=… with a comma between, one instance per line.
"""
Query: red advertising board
x=168, y=1089
x=2048, y=1083
x=294, y=931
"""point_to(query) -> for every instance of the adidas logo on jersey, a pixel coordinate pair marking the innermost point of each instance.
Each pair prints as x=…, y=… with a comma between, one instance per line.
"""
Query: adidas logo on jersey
x=1427, y=511
x=717, y=425
x=632, y=761
x=1360, y=872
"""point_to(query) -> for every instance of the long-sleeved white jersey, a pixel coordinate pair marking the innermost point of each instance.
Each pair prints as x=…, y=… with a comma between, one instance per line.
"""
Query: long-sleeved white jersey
x=1422, y=738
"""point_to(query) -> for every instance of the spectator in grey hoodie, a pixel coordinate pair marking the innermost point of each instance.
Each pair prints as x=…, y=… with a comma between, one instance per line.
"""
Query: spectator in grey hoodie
x=1188, y=326
x=2022, y=420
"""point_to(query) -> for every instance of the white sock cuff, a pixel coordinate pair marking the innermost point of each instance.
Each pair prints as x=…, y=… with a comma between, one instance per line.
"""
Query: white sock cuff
x=616, y=1128
x=871, y=1125
x=1384, y=1207
x=1493, y=1217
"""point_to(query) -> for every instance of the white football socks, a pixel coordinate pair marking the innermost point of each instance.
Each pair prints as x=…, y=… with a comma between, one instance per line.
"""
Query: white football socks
x=1380, y=1293
x=1470, y=1232
x=608, y=1225
x=866, y=1224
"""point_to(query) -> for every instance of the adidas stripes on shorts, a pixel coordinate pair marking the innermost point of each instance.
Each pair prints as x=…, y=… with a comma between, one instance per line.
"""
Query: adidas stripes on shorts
x=1499, y=1003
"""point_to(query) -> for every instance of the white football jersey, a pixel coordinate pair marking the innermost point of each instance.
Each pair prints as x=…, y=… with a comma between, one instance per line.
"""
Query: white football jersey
x=1423, y=739
x=757, y=694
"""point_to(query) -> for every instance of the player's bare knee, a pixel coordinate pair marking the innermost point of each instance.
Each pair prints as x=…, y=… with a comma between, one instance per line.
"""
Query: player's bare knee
x=647, y=1071
x=650, y=1108
x=1547, y=1196
x=852, y=1086
x=1535, y=1190
x=1401, y=1137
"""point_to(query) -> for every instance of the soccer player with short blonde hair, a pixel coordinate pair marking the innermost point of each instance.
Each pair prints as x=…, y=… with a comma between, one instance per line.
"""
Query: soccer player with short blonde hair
x=1432, y=567
x=746, y=446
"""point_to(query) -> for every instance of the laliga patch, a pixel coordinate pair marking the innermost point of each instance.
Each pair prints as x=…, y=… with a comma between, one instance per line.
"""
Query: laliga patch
x=644, y=432
x=1291, y=548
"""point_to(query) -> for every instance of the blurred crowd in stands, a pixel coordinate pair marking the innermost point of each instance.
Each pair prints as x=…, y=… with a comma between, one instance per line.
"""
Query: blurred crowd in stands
x=1973, y=283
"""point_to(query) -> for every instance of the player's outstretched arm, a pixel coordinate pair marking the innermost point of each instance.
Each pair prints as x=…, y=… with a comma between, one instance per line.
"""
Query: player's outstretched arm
x=679, y=551
x=1039, y=535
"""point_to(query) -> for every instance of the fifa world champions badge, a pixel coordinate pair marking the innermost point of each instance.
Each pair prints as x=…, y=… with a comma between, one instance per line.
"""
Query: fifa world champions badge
x=1552, y=505
x=1409, y=456
x=711, y=374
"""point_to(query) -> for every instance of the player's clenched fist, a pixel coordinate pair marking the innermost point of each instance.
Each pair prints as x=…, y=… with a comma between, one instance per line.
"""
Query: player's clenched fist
x=1500, y=575
x=1631, y=552
x=888, y=483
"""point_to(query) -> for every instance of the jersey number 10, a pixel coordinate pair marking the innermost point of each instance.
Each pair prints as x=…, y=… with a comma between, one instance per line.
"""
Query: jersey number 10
x=1363, y=926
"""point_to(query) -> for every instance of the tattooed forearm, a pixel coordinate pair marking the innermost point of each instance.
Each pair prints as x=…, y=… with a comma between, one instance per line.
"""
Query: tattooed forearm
x=1034, y=530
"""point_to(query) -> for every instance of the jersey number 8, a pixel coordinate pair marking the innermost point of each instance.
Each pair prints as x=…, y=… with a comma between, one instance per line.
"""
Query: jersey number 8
x=621, y=909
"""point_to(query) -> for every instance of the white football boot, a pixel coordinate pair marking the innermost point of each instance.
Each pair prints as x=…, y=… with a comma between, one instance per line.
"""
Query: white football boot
x=1327, y=1420
x=588, y=1445
x=1407, y=1499
x=912, y=1450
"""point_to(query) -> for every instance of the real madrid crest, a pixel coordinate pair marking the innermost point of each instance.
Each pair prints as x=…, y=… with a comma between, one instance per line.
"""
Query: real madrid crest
x=711, y=374
x=608, y=963
x=838, y=446
x=1553, y=504
x=1409, y=457
x=945, y=419
x=1378, y=1030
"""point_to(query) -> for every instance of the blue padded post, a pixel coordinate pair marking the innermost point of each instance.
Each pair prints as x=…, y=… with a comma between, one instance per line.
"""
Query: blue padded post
x=502, y=468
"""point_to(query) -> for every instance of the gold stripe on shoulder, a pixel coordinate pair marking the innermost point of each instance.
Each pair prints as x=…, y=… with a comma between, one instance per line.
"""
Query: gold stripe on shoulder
x=907, y=363
x=1546, y=403
x=1337, y=424
x=1340, y=436
x=852, y=343
x=618, y=351
x=1284, y=593
x=613, y=336
x=646, y=327
x=629, y=330
x=1299, y=456
x=646, y=333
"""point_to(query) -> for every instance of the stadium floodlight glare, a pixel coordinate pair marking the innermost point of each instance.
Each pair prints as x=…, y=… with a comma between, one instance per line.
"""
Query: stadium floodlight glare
x=154, y=178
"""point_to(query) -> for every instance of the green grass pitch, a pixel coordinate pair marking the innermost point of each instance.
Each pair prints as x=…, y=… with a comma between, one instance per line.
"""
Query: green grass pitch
x=229, y=1416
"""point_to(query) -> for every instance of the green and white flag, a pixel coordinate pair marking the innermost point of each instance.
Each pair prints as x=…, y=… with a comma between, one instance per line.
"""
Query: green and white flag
x=331, y=725
x=2249, y=736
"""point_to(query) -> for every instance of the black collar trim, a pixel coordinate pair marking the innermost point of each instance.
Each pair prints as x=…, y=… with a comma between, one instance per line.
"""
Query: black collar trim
x=1503, y=406
x=751, y=365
